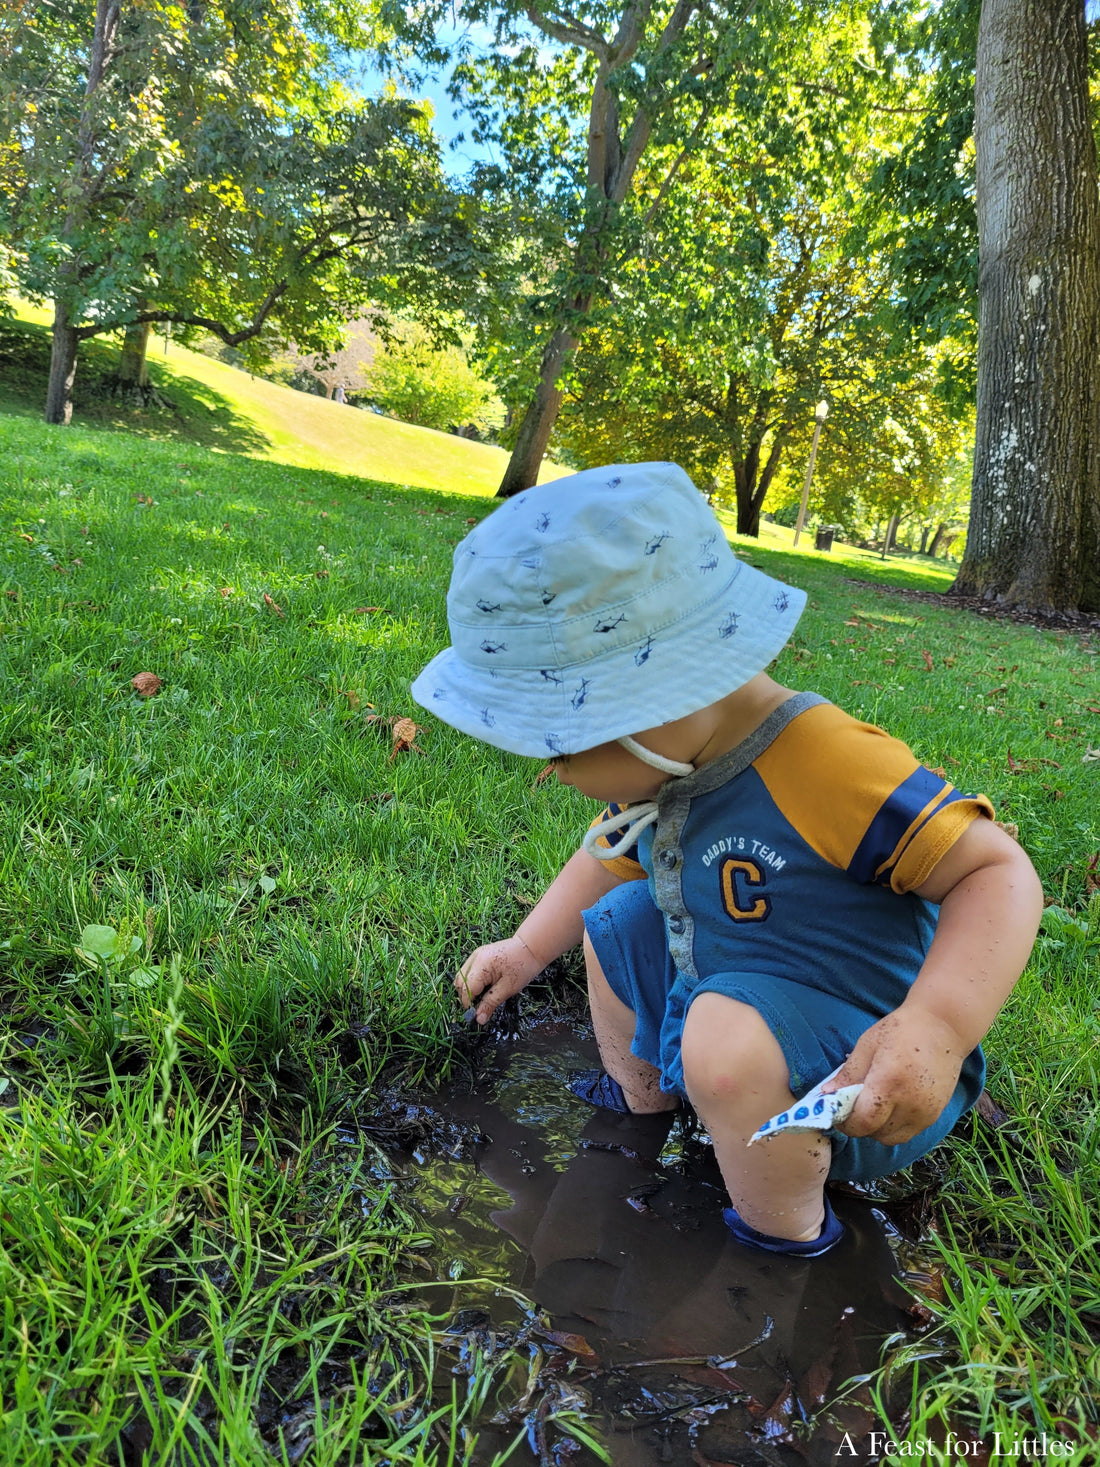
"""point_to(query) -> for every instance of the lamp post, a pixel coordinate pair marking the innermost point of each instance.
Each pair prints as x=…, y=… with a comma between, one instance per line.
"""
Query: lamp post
x=821, y=412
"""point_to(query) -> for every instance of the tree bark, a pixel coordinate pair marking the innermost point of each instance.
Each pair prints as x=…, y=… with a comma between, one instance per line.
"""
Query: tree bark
x=133, y=368
x=59, y=392
x=611, y=163
x=753, y=484
x=1034, y=537
x=538, y=421
x=938, y=539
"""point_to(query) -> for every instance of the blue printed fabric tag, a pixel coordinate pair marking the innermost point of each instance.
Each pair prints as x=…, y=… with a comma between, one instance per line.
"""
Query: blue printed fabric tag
x=814, y=1112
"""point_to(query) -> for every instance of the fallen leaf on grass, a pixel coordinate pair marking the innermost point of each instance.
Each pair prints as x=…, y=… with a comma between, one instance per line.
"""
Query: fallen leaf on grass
x=29, y=538
x=404, y=731
x=1090, y=755
x=352, y=696
x=360, y=610
x=544, y=773
x=146, y=684
x=929, y=664
x=270, y=601
x=226, y=591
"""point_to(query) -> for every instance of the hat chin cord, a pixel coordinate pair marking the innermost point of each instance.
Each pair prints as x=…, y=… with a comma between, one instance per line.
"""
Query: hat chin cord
x=635, y=818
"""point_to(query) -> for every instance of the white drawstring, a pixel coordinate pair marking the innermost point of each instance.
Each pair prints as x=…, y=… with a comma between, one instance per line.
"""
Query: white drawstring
x=634, y=817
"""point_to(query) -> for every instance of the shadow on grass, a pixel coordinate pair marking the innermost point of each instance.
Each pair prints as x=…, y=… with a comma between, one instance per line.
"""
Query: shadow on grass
x=191, y=412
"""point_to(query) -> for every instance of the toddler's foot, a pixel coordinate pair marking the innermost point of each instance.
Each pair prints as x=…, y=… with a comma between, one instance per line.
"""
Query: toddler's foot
x=832, y=1230
x=598, y=1088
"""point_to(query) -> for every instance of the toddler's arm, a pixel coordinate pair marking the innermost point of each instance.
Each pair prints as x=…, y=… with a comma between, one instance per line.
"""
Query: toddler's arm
x=500, y=969
x=990, y=904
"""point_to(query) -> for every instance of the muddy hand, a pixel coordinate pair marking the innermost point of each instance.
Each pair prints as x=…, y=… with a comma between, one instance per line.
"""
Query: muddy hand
x=494, y=973
x=908, y=1064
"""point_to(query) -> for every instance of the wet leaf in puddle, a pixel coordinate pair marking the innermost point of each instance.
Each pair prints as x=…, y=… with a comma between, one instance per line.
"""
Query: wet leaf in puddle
x=576, y=1345
x=775, y=1420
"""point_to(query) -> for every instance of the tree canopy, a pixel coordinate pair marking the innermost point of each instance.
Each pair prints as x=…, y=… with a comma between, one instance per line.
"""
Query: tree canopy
x=207, y=166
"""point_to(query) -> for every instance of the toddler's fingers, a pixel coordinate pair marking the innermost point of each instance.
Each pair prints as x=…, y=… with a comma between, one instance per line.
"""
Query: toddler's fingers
x=871, y=1113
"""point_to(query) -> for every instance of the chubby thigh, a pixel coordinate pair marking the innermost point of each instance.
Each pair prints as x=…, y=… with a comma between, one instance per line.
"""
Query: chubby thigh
x=815, y=1030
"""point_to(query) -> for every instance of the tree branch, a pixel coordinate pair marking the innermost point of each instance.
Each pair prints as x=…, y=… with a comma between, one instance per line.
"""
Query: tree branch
x=670, y=176
x=570, y=32
x=806, y=86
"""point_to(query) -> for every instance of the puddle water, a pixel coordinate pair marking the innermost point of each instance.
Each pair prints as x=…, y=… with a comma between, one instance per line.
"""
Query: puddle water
x=692, y=1349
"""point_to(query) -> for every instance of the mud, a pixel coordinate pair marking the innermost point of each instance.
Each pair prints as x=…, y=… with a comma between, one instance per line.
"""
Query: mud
x=689, y=1348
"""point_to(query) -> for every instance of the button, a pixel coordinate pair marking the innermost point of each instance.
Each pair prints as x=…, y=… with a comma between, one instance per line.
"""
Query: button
x=676, y=924
x=667, y=859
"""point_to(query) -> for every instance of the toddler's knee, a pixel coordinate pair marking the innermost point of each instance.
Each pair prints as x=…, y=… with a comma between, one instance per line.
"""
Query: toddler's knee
x=728, y=1051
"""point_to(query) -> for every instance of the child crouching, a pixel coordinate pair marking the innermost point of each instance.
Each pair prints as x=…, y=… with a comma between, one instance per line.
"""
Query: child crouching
x=774, y=889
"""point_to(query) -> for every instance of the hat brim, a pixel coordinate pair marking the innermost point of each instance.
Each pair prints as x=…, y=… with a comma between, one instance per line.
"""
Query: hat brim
x=541, y=712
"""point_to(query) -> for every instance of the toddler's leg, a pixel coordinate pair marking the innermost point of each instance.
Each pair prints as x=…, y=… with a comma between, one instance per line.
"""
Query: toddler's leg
x=614, y=1025
x=736, y=1077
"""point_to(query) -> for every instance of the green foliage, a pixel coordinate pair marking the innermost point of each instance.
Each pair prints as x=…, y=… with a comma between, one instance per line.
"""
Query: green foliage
x=434, y=387
x=173, y=164
x=745, y=308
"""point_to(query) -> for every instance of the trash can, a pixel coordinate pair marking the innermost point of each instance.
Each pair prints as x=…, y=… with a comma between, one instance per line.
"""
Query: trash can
x=824, y=537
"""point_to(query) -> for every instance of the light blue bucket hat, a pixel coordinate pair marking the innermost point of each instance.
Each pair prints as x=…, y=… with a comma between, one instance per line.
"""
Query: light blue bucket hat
x=597, y=606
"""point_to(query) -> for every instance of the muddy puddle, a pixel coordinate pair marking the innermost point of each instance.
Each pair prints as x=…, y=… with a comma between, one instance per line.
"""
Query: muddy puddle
x=688, y=1348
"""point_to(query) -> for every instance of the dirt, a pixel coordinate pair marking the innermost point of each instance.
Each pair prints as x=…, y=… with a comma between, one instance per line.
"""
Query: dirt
x=685, y=1346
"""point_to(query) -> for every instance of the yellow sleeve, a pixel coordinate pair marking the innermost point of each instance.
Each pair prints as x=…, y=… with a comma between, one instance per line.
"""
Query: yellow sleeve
x=625, y=867
x=861, y=800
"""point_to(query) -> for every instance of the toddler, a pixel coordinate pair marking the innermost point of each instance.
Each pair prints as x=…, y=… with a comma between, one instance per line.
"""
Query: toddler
x=773, y=890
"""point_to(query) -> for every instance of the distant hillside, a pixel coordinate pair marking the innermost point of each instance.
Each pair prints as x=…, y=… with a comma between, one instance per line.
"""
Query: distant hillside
x=224, y=408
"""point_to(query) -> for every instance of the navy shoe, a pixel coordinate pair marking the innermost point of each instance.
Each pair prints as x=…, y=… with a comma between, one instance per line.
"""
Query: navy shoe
x=598, y=1088
x=832, y=1230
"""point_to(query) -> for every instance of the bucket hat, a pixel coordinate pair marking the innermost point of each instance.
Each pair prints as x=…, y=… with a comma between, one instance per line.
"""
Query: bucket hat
x=599, y=605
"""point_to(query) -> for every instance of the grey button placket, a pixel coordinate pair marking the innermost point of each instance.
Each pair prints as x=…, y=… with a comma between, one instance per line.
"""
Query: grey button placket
x=673, y=805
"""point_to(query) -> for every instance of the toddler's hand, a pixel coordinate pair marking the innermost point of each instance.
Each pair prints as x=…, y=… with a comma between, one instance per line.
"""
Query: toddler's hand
x=908, y=1064
x=493, y=973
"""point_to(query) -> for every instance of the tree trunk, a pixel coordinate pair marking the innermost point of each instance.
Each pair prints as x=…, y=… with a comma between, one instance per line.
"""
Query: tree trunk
x=59, y=393
x=891, y=531
x=1034, y=537
x=924, y=534
x=133, y=369
x=753, y=484
x=937, y=540
x=538, y=420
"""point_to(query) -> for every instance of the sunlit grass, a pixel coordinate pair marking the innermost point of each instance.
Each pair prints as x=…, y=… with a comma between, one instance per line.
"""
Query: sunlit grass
x=185, y=1242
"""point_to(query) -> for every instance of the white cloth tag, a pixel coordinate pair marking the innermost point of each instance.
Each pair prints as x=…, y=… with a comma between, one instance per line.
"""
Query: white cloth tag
x=814, y=1112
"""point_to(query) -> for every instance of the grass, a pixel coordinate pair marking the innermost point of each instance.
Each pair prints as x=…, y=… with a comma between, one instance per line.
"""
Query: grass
x=194, y=1263
x=216, y=406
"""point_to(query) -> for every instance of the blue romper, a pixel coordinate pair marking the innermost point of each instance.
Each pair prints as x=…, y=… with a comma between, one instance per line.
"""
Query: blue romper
x=782, y=874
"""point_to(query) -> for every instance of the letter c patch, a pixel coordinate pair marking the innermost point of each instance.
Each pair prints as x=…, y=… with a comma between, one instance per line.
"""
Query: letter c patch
x=748, y=910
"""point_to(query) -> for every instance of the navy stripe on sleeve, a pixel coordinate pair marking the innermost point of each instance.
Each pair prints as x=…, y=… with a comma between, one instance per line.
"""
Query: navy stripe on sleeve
x=894, y=817
x=613, y=837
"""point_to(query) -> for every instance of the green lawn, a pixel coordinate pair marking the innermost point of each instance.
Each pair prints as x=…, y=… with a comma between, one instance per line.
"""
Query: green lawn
x=181, y=1235
x=220, y=407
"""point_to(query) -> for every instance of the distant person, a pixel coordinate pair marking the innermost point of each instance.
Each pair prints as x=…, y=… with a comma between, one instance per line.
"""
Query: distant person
x=340, y=395
x=774, y=889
